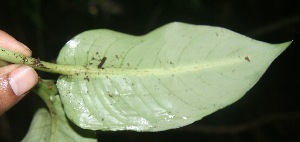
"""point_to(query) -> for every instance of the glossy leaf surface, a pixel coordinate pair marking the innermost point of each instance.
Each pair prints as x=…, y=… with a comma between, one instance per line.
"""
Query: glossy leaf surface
x=166, y=79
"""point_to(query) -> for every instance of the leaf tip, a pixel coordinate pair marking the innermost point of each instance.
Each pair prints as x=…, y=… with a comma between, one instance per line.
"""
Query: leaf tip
x=286, y=44
x=282, y=46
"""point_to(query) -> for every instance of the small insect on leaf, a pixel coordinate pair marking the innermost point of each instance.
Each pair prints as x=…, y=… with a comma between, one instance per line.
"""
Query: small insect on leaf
x=102, y=62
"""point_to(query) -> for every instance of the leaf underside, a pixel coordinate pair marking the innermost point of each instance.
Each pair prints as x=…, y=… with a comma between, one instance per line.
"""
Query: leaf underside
x=166, y=79
x=53, y=125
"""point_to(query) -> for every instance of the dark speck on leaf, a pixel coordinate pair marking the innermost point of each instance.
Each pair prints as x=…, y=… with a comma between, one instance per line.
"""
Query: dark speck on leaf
x=87, y=78
x=247, y=58
x=109, y=95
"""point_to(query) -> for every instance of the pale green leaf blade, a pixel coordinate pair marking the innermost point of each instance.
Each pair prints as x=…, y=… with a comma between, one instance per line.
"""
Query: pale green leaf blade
x=166, y=79
x=54, y=126
x=40, y=127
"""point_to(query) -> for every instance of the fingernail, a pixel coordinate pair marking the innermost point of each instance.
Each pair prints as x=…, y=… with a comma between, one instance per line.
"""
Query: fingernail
x=22, y=79
x=23, y=45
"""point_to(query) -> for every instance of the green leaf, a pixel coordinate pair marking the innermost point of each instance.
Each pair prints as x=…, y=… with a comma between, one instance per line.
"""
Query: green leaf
x=40, y=128
x=54, y=126
x=166, y=79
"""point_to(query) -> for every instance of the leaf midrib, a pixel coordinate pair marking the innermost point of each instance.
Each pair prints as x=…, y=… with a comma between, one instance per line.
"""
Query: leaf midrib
x=92, y=70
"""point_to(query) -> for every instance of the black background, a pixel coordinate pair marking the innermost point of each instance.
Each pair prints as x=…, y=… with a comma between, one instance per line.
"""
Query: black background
x=268, y=112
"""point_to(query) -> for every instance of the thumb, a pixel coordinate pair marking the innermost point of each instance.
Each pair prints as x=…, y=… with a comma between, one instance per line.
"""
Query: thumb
x=15, y=82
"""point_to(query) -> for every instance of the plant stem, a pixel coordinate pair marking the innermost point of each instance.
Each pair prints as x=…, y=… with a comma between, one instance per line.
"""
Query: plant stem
x=13, y=57
x=47, y=90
